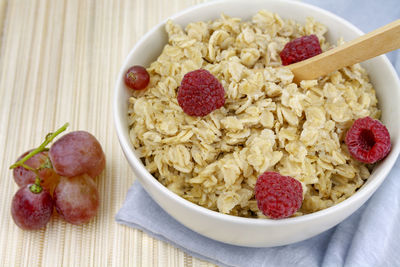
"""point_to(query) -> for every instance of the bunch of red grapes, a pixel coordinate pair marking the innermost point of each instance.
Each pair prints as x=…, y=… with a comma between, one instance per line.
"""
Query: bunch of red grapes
x=60, y=176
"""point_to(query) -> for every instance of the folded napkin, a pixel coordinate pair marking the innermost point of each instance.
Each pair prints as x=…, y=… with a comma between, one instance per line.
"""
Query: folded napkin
x=369, y=237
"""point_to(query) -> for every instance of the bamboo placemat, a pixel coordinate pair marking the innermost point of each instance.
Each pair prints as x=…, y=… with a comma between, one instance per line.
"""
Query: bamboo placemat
x=58, y=63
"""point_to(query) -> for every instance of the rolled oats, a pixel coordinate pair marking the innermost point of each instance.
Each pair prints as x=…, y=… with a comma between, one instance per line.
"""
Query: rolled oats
x=267, y=122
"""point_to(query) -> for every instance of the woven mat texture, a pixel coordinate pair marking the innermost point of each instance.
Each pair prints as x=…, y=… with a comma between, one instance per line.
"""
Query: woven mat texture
x=58, y=63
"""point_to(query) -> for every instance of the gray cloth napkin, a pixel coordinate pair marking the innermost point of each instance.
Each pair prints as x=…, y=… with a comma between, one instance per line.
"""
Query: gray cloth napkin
x=370, y=237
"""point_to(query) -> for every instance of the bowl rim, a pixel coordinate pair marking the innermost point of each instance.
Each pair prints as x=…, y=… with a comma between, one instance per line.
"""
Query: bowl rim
x=142, y=173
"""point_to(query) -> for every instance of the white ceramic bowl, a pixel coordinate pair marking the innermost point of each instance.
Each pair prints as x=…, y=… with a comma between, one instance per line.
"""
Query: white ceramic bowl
x=246, y=231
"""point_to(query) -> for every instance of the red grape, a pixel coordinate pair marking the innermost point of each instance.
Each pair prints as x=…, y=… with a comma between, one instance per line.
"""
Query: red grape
x=76, y=198
x=49, y=178
x=137, y=78
x=31, y=210
x=77, y=153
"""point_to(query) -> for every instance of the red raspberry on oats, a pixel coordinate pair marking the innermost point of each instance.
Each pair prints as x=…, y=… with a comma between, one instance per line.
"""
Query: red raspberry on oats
x=278, y=196
x=368, y=140
x=300, y=49
x=200, y=93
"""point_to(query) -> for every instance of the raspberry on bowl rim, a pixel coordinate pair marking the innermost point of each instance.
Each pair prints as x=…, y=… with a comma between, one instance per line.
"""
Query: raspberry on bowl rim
x=278, y=196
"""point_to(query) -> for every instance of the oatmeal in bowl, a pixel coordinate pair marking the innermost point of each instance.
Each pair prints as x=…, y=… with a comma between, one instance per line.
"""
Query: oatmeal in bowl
x=265, y=125
x=268, y=123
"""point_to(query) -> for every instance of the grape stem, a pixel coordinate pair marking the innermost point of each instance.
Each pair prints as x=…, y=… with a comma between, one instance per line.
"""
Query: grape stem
x=36, y=188
x=28, y=167
x=40, y=148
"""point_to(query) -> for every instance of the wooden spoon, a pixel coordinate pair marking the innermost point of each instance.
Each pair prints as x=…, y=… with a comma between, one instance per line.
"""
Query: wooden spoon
x=377, y=42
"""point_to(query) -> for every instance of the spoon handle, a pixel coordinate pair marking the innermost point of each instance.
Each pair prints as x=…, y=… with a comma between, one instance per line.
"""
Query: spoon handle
x=377, y=42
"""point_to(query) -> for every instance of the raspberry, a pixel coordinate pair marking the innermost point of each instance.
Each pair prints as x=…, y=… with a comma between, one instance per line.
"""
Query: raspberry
x=200, y=93
x=368, y=140
x=300, y=49
x=278, y=196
